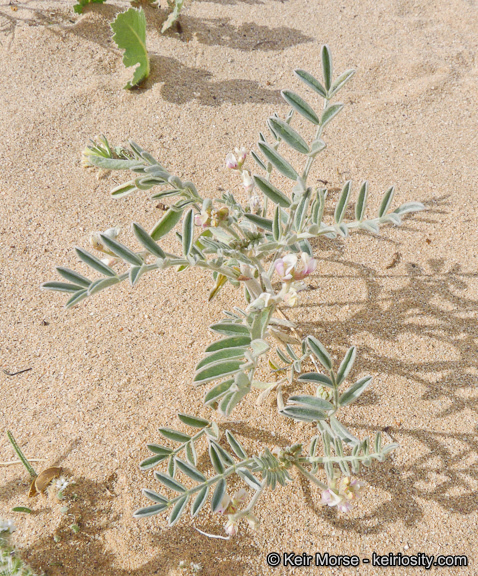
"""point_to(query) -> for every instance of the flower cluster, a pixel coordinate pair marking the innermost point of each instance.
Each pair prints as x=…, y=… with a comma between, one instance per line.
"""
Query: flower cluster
x=230, y=507
x=7, y=526
x=233, y=163
x=211, y=217
x=289, y=268
x=342, y=496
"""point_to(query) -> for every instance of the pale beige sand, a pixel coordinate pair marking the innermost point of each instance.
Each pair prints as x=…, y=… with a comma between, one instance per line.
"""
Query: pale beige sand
x=107, y=374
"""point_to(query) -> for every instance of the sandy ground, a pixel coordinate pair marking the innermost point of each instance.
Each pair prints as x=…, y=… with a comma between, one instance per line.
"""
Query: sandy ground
x=105, y=375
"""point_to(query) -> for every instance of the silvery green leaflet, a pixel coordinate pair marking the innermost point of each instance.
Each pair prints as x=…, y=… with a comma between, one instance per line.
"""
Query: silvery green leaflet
x=249, y=246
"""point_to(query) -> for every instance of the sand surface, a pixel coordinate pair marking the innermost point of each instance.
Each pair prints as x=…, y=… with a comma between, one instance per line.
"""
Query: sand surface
x=105, y=375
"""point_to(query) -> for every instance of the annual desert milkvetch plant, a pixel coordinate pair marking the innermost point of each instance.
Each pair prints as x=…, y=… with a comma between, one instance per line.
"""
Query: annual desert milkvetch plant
x=264, y=246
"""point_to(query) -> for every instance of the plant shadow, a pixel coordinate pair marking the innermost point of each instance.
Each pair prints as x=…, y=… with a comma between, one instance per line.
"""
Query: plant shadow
x=88, y=552
x=182, y=84
x=430, y=305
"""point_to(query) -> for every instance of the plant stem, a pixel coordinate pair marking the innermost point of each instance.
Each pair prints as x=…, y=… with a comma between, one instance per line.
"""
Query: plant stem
x=21, y=455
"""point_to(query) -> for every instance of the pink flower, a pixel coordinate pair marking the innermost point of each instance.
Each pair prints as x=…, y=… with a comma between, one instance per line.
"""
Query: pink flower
x=247, y=181
x=224, y=504
x=203, y=219
x=231, y=527
x=330, y=498
x=241, y=155
x=236, y=164
x=289, y=269
x=231, y=162
x=343, y=496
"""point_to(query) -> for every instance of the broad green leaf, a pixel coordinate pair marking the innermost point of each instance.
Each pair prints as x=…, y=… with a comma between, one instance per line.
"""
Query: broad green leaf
x=313, y=401
x=232, y=342
x=73, y=277
x=22, y=509
x=193, y=421
x=80, y=295
x=319, y=206
x=188, y=232
x=218, y=370
x=361, y=202
x=303, y=414
x=342, y=203
x=354, y=391
x=123, y=190
x=178, y=510
x=102, y=284
x=236, y=445
x=316, y=147
x=62, y=287
x=221, y=355
x=121, y=251
x=329, y=113
x=152, y=461
x=150, y=510
x=218, y=495
x=249, y=478
x=259, y=347
x=114, y=163
x=272, y=192
x=370, y=226
x=166, y=224
x=191, y=453
x=342, y=432
x=289, y=135
x=392, y=217
x=388, y=448
x=278, y=161
x=301, y=212
x=346, y=365
x=259, y=221
x=154, y=496
x=158, y=449
x=409, y=207
x=199, y=501
x=301, y=106
x=80, y=4
x=340, y=82
x=94, y=262
x=130, y=35
x=172, y=466
x=311, y=82
x=320, y=352
x=169, y=482
x=218, y=391
x=215, y=459
x=327, y=69
x=386, y=201
x=147, y=242
x=259, y=162
x=276, y=224
x=190, y=470
x=174, y=435
x=230, y=329
x=316, y=378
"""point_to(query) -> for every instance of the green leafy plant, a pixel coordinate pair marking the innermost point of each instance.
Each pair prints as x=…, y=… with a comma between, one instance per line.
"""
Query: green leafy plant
x=130, y=35
x=264, y=246
x=175, y=6
x=80, y=4
x=10, y=563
